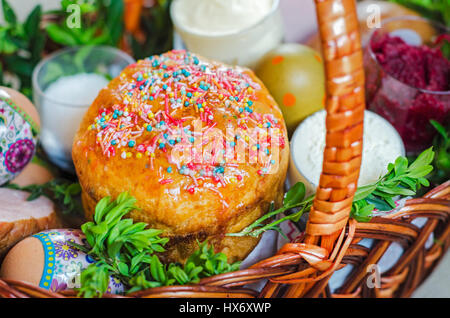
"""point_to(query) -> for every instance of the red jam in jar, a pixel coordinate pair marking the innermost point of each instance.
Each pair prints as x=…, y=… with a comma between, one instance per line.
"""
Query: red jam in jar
x=408, y=85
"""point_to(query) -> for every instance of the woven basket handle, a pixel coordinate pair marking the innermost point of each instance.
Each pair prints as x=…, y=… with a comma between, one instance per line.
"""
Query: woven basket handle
x=339, y=31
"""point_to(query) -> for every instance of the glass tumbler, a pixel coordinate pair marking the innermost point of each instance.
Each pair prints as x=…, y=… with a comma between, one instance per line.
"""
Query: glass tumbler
x=60, y=117
x=408, y=108
x=245, y=47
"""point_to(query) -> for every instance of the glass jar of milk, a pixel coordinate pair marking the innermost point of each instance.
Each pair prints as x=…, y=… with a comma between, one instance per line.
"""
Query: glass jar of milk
x=238, y=32
x=64, y=86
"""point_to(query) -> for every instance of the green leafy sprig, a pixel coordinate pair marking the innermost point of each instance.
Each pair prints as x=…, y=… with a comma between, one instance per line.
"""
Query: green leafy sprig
x=120, y=247
x=293, y=199
x=63, y=192
x=128, y=251
x=401, y=179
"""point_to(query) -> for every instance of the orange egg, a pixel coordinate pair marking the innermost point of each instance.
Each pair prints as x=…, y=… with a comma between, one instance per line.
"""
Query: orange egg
x=294, y=75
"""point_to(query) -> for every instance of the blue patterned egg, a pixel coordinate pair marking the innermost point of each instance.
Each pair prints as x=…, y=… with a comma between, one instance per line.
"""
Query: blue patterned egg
x=49, y=260
x=19, y=129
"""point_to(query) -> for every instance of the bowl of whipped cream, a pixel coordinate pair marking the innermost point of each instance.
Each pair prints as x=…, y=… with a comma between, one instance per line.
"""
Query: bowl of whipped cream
x=237, y=32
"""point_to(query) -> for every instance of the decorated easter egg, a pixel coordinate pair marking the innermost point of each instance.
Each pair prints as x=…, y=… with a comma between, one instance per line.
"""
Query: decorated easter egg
x=294, y=75
x=48, y=260
x=19, y=128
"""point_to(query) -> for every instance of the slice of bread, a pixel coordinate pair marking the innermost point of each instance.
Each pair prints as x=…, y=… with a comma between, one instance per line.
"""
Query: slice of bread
x=20, y=218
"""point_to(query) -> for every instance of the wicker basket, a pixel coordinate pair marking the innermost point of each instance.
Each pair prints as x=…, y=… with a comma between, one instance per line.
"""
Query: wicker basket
x=303, y=269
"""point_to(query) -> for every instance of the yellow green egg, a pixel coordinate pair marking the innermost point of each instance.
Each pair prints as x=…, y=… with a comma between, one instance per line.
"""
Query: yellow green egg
x=294, y=75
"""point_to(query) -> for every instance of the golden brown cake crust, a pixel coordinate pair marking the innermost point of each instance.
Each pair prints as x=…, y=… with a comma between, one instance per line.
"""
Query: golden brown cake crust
x=188, y=201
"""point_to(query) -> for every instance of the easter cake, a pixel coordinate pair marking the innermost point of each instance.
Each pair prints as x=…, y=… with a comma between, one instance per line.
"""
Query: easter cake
x=202, y=146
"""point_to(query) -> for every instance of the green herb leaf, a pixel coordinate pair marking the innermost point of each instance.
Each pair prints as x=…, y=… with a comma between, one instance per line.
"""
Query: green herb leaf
x=424, y=159
x=123, y=268
x=8, y=13
x=115, y=14
x=295, y=195
x=364, y=191
x=32, y=23
x=60, y=35
x=362, y=211
x=94, y=280
x=441, y=129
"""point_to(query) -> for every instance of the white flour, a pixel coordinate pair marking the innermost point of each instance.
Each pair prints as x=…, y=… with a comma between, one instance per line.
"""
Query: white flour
x=381, y=145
